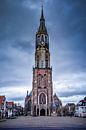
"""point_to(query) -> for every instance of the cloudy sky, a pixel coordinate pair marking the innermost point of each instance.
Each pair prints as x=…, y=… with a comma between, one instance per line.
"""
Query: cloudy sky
x=66, y=25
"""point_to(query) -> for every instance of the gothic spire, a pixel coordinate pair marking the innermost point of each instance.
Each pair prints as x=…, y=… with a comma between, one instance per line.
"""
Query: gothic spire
x=42, y=27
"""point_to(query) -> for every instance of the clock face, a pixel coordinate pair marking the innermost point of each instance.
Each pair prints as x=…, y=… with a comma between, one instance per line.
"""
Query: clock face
x=42, y=43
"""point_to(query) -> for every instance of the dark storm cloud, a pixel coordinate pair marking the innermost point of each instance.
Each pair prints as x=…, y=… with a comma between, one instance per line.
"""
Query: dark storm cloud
x=66, y=24
x=14, y=18
x=69, y=17
x=73, y=93
x=16, y=39
x=24, y=46
x=14, y=82
x=68, y=34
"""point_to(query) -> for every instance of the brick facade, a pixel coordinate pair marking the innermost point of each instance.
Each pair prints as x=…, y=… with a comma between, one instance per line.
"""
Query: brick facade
x=42, y=90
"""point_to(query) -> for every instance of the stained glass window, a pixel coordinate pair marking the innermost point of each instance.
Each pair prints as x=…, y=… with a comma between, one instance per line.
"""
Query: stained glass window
x=42, y=99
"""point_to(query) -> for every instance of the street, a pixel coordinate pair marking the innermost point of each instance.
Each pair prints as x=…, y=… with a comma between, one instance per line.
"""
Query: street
x=44, y=123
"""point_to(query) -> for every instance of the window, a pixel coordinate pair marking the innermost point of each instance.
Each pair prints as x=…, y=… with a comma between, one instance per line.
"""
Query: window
x=46, y=63
x=45, y=81
x=37, y=60
x=42, y=64
x=42, y=98
x=38, y=39
x=45, y=39
x=37, y=63
x=42, y=38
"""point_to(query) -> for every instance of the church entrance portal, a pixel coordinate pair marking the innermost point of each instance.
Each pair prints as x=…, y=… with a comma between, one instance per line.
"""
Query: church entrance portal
x=42, y=112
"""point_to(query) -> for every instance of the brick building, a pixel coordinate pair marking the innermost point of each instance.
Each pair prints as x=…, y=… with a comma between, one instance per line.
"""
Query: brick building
x=42, y=90
x=41, y=98
x=27, y=105
x=2, y=106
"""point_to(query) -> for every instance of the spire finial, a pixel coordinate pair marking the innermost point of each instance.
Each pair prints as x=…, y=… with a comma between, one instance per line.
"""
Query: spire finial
x=42, y=27
x=42, y=15
x=27, y=92
x=42, y=3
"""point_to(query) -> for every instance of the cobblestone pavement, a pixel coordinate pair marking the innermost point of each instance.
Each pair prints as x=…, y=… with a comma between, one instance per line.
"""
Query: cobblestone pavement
x=44, y=123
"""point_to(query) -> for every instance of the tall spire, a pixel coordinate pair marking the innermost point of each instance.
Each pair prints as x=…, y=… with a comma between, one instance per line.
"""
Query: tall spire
x=42, y=27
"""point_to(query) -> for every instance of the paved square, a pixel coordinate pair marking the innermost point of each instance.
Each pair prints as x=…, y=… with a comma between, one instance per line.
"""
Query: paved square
x=52, y=123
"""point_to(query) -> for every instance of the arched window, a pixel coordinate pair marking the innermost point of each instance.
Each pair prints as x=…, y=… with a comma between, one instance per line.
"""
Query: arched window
x=42, y=38
x=42, y=98
x=45, y=81
x=45, y=39
x=42, y=64
x=38, y=39
x=46, y=63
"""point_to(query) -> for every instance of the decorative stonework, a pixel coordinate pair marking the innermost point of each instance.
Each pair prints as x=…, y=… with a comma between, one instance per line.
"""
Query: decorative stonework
x=41, y=100
x=42, y=91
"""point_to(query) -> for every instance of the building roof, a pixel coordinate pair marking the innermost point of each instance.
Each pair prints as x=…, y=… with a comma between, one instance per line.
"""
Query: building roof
x=69, y=104
x=2, y=97
x=1, y=102
x=10, y=103
x=82, y=101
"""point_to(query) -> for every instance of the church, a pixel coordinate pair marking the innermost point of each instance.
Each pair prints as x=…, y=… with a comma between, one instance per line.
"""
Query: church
x=40, y=100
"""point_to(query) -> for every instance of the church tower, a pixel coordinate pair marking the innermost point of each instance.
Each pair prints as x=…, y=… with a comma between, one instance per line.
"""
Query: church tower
x=42, y=90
